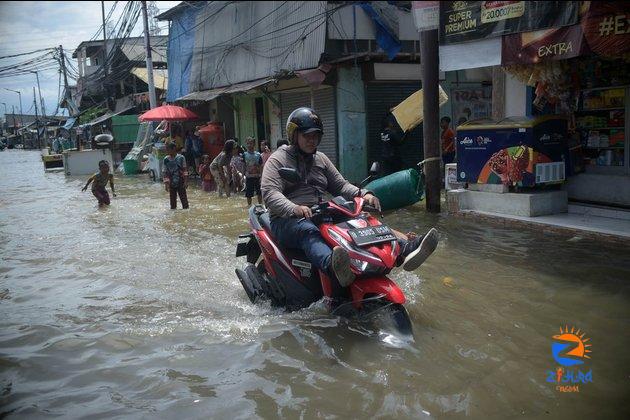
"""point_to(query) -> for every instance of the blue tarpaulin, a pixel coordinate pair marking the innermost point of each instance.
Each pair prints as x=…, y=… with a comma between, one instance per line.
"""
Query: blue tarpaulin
x=181, y=41
x=385, y=36
x=69, y=123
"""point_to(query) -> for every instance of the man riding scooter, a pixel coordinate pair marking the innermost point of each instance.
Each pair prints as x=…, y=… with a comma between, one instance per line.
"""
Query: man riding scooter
x=290, y=204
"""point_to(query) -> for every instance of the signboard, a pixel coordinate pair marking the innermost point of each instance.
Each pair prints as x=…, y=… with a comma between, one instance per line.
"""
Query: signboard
x=463, y=21
x=543, y=45
x=471, y=103
x=426, y=14
x=606, y=27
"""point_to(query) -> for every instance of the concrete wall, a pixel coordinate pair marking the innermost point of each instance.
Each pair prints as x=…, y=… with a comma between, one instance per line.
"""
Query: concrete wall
x=351, y=124
x=609, y=189
x=538, y=203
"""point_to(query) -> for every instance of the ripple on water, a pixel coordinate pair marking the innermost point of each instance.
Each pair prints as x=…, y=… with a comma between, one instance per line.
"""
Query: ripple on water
x=134, y=310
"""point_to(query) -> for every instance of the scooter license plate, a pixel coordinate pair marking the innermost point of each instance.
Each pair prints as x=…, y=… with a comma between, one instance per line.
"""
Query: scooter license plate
x=371, y=235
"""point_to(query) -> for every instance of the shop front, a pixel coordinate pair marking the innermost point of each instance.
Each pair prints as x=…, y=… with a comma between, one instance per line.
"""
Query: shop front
x=583, y=72
x=572, y=63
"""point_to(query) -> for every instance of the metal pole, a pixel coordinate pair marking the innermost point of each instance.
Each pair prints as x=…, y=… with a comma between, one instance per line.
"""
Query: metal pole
x=104, y=38
x=21, y=112
x=5, y=116
x=13, y=108
x=147, y=44
x=41, y=103
x=430, y=64
x=39, y=141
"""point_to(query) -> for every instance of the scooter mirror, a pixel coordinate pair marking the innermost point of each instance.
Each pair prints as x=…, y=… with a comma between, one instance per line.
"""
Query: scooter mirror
x=290, y=175
x=375, y=168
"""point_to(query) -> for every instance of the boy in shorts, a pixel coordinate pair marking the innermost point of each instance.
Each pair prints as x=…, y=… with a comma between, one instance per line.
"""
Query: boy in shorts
x=253, y=170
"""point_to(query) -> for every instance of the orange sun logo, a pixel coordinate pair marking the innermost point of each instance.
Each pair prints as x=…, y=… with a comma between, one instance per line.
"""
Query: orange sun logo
x=581, y=348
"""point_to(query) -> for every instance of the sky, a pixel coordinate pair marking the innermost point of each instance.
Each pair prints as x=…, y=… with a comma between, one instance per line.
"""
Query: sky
x=30, y=25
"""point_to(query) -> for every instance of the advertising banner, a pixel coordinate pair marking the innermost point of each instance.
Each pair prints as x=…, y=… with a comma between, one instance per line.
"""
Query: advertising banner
x=426, y=14
x=543, y=45
x=463, y=21
x=606, y=27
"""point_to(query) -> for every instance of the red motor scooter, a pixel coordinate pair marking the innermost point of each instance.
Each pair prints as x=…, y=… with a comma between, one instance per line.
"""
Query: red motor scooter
x=287, y=278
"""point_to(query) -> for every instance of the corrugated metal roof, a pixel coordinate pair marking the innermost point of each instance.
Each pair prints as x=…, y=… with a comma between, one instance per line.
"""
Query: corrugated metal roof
x=134, y=49
x=208, y=95
x=160, y=76
x=204, y=95
x=241, y=41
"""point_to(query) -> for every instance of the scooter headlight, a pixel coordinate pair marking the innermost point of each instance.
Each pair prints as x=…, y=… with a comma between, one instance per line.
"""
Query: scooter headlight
x=359, y=264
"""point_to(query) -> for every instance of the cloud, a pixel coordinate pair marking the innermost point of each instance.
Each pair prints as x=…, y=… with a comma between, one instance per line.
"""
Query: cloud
x=30, y=25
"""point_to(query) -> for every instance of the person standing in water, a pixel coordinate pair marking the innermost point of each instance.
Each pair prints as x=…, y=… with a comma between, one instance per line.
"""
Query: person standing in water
x=100, y=180
x=175, y=174
x=253, y=170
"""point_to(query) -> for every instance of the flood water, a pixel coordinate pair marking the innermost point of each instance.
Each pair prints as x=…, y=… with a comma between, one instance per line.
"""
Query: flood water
x=134, y=311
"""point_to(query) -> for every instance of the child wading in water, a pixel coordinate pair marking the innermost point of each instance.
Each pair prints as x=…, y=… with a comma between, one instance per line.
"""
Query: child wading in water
x=204, y=173
x=100, y=180
x=253, y=170
x=175, y=174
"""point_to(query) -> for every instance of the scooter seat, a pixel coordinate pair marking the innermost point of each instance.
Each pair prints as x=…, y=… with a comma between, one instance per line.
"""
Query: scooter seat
x=265, y=222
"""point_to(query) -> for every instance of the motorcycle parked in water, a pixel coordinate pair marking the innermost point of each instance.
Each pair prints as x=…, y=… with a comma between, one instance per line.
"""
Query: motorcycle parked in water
x=287, y=278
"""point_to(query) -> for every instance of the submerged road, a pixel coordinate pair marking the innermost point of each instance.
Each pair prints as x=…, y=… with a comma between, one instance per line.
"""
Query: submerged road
x=134, y=310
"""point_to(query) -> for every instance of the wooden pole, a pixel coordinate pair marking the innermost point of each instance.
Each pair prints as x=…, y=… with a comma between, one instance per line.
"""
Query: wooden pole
x=430, y=69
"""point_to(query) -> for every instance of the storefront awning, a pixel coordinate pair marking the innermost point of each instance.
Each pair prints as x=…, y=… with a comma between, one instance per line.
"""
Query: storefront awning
x=210, y=94
x=246, y=86
x=160, y=76
x=106, y=117
x=203, y=95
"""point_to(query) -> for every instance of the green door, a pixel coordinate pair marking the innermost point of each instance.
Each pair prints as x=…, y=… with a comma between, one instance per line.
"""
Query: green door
x=246, y=117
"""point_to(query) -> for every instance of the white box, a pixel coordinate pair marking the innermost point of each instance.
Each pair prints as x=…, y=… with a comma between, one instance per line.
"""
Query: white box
x=450, y=177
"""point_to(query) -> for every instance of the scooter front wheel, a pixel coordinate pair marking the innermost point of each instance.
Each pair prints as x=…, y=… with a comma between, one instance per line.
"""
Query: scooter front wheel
x=389, y=316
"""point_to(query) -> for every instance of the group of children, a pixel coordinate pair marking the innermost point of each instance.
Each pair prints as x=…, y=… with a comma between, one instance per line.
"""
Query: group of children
x=232, y=170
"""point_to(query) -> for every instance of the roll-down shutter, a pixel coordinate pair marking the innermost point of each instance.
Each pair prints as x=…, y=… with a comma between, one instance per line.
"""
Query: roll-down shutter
x=325, y=108
x=381, y=97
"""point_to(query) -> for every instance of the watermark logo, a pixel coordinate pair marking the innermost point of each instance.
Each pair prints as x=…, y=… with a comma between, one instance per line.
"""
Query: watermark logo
x=570, y=349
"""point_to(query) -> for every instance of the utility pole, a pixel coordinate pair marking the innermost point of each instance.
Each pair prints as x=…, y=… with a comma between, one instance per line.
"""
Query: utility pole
x=13, y=108
x=147, y=44
x=67, y=93
x=39, y=141
x=21, y=112
x=105, y=84
x=430, y=64
x=5, y=117
x=41, y=102
x=65, y=81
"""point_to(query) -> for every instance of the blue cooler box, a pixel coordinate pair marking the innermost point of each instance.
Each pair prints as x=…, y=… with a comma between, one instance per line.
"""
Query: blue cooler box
x=518, y=151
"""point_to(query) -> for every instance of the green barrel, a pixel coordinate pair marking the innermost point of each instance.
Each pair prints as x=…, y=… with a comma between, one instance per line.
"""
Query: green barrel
x=399, y=189
x=131, y=166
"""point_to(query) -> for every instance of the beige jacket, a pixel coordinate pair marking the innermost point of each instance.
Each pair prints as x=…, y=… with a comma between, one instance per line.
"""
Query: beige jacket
x=281, y=197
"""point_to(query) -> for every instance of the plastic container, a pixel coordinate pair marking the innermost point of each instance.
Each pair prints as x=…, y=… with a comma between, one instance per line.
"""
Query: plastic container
x=131, y=166
x=399, y=189
x=213, y=138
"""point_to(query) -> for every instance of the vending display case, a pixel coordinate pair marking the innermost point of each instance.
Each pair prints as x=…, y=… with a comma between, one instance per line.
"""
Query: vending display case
x=516, y=151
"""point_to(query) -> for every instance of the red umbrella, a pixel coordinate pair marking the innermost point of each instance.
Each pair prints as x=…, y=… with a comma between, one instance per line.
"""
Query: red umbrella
x=168, y=113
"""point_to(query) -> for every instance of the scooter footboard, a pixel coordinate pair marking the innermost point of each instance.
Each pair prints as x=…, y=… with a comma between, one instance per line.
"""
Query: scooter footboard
x=390, y=291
